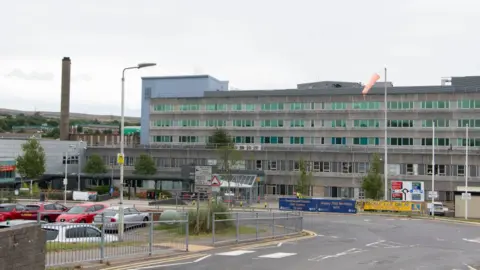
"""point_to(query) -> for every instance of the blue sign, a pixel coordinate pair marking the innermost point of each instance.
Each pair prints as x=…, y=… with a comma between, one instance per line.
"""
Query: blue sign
x=318, y=205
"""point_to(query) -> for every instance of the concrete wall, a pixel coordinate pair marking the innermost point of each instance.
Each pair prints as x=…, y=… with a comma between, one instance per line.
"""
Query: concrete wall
x=473, y=207
x=22, y=248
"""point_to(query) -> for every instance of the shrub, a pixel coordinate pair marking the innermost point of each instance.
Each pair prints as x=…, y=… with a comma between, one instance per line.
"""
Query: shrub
x=205, y=218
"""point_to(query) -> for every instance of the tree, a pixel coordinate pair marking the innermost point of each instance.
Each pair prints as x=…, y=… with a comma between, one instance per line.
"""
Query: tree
x=31, y=165
x=145, y=165
x=79, y=129
x=304, y=181
x=53, y=133
x=227, y=153
x=95, y=166
x=372, y=182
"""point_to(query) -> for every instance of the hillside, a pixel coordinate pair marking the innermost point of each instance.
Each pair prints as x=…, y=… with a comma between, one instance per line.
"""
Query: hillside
x=73, y=116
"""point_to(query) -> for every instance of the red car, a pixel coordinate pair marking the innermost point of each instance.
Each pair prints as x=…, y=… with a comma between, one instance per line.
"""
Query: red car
x=10, y=211
x=48, y=211
x=82, y=213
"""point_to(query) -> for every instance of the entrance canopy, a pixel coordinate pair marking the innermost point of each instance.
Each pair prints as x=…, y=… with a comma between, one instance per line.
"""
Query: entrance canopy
x=238, y=180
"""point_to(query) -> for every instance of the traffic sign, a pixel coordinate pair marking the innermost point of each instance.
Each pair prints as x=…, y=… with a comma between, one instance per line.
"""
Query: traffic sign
x=466, y=196
x=203, y=175
x=215, y=181
x=120, y=159
x=433, y=194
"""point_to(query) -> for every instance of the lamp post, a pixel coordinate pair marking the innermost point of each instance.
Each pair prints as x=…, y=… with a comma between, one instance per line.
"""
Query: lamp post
x=466, y=172
x=122, y=146
x=65, y=180
x=385, y=143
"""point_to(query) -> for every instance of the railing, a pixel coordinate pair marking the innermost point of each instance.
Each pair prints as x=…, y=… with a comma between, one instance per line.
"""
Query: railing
x=253, y=226
x=72, y=243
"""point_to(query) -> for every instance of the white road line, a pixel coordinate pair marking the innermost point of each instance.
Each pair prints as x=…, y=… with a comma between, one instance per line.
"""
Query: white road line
x=279, y=244
x=472, y=240
x=202, y=258
x=375, y=243
x=161, y=265
x=333, y=236
x=469, y=267
x=277, y=255
x=235, y=253
x=324, y=257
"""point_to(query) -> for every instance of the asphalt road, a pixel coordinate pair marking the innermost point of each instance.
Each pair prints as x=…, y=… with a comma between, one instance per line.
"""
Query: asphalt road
x=355, y=242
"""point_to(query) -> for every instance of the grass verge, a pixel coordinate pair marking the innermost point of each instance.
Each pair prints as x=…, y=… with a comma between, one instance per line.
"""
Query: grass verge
x=58, y=247
x=222, y=232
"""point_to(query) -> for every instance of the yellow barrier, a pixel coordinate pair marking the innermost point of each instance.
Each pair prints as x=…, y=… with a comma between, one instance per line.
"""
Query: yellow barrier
x=392, y=206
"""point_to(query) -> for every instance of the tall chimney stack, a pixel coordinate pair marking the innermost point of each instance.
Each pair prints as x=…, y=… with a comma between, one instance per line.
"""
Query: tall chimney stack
x=65, y=100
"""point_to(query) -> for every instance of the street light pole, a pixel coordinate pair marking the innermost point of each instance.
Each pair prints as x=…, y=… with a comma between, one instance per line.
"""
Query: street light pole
x=386, y=139
x=122, y=145
x=466, y=173
x=65, y=180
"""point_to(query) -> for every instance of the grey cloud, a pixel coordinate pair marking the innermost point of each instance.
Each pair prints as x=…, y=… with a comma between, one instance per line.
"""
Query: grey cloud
x=81, y=78
x=32, y=76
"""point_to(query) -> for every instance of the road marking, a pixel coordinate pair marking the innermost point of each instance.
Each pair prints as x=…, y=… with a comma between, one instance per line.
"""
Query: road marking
x=277, y=255
x=279, y=244
x=161, y=265
x=235, y=253
x=469, y=267
x=202, y=258
x=154, y=262
x=375, y=243
x=366, y=220
x=477, y=240
x=348, y=252
x=333, y=236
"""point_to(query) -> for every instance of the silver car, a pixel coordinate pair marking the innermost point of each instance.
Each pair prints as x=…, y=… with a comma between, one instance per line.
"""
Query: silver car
x=76, y=233
x=132, y=218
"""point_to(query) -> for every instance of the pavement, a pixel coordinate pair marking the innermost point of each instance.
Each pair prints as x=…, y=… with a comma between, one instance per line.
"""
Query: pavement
x=348, y=242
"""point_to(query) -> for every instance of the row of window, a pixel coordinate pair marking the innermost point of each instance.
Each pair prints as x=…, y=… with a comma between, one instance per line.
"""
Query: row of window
x=358, y=123
x=475, y=142
x=315, y=166
x=300, y=106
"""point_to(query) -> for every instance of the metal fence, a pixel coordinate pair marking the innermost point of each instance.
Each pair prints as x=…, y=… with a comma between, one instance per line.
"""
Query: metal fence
x=70, y=243
x=252, y=226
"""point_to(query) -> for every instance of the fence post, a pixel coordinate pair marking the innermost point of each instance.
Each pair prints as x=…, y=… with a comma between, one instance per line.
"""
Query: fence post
x=150, y=234
x=186, y=232
x=213, y=228
x=273, y=225
x=38, y=216
x=238, y=228
x=285, y=229
x=102, y=241
x=256, y=226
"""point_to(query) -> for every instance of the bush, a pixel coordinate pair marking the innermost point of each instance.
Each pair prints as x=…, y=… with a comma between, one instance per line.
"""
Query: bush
x=205, y=218
x=101, y=190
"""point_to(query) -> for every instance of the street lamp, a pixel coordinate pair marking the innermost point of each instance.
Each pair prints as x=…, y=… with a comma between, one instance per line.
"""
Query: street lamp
x=122, y=142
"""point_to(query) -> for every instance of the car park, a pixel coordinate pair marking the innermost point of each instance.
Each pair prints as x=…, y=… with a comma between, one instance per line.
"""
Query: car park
x=132, y=218
x=44, y=211
x=10, y=211
x=82, y=213
x=76, y=233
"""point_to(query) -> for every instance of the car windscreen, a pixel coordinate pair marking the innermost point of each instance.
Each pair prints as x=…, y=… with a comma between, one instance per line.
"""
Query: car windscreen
x=6, y=208
x=51, y=233
x=77, y=210
x=32, y=207
x=108, y=213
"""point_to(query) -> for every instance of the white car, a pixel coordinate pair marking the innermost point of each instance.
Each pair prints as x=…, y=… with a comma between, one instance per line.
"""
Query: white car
x=132, y=218
x=76, y=233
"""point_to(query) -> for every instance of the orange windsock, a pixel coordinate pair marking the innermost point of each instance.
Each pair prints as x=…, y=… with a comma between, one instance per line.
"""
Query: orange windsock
x=370, y=83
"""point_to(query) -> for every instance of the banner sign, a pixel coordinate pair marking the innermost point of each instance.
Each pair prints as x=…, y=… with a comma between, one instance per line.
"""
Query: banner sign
x=392, y=206
x=7, y=168
x=410, y=191
x=318, y=205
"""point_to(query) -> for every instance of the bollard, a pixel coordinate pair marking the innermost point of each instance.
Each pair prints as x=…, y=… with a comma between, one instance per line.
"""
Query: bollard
x=150, y=235
x=238, y=229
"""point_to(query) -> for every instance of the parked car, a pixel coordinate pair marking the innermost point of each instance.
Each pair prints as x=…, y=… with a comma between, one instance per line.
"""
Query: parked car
x=132, y=218
x=48, y=211
x=82, y=213
x=10, y=211
x=18, y=222
x=75, y=233
x=438, y=208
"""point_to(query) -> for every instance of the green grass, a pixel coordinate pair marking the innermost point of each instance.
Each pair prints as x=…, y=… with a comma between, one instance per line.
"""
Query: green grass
x=229, y=231
x=58, y=247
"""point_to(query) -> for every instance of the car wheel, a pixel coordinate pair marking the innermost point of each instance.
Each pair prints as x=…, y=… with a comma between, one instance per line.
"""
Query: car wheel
x=46, y=219
x=82, y=221
x=145, y=220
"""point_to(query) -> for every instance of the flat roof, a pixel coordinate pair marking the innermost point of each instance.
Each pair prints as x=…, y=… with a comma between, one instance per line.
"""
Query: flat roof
x=204, y=76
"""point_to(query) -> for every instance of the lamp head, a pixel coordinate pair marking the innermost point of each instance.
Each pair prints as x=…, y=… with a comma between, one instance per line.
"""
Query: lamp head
x=143, y=65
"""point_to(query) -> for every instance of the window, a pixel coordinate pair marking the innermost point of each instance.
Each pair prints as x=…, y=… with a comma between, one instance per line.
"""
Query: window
x=366, y=105
x=271, y=123
x=438, y=123
x=339, y=123
x=299, y=106
x=400, y=105
x=71, y=160
x=318, y=106
x=163, y=108
x=243, y=123
x=163, y=123
x=474, y=142
x=409, y=169
x=461, y=170
x=296, y=165
x=364, y=123
x=400, y=123
x=297, y=140
x=474, y=123
x=59, y=207
x=244, y=139
x=468, y=104
x=272, y=107
x=400, y=141
x=250, y=107
x=236, y=107
x=189, y=107
x=339, y=140
x=347, y=167
x=362, y=167
x=339, y=106
x=366, y=141
x=81, y=232
x=98, y=207
x=272, y=165
x=438, y=141
x=435, y=104
x=326, y=166
x=188, y=139
x=271, y=140
x=188, y=123
x=162, y=139
x=316, y=166
x=216, y=107
x=49, y=207
x=297, y=123
x=215, y=123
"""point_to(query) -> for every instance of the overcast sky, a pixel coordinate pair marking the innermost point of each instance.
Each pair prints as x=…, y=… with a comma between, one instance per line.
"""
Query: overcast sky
x=254, y=44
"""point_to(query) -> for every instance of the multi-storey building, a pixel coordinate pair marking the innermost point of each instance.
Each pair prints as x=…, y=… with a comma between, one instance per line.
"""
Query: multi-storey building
x=329, y=125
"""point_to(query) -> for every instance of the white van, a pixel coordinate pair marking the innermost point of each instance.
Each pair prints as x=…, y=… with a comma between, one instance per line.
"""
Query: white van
x=438, y=208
